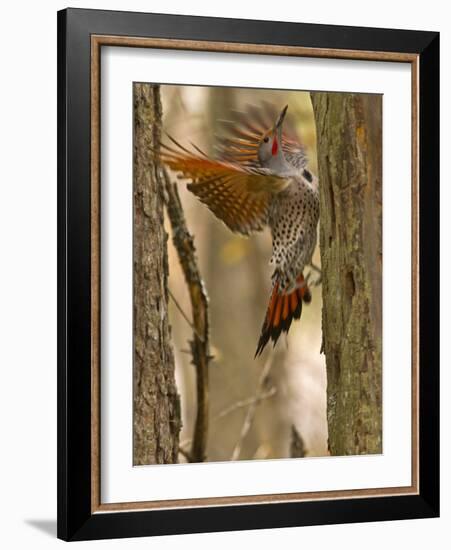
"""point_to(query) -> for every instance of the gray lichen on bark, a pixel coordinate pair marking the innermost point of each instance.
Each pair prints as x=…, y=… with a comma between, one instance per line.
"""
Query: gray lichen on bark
x=349, y=138
x=156, y=414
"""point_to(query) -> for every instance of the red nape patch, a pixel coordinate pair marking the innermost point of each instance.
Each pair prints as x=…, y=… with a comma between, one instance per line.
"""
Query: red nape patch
x=275, y=146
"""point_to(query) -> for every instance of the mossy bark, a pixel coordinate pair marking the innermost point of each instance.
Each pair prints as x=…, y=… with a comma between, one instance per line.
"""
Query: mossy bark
x=349, y=139
x=156, y=413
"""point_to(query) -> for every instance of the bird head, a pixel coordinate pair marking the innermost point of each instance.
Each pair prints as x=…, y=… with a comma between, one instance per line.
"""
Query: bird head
x=270, y=153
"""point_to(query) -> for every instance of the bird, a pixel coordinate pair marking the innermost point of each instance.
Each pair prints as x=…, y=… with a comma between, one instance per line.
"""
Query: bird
x=259, y=177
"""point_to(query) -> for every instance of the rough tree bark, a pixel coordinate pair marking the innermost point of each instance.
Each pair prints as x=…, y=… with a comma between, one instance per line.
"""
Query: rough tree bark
x=349, y=138
x=156, y=413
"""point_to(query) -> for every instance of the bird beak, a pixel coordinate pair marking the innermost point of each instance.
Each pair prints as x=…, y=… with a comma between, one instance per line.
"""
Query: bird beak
x=281, y=118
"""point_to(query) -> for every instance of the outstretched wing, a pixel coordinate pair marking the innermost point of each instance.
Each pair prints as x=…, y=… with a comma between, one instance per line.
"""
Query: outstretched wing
x=243, y=132
x=239, y=196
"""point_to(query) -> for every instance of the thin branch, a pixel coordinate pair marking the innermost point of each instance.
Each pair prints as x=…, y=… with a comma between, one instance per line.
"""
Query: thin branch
x=187, y=351
x=245, y=403
x=253, y=407
x=183, y=314
x=186, y=454
x=200, y=347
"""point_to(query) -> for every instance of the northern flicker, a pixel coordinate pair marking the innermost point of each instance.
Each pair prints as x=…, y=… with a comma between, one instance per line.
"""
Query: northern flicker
x=259, y=177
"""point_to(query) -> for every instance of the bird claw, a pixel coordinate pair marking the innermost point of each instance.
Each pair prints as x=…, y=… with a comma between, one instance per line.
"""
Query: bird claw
x=318, y=280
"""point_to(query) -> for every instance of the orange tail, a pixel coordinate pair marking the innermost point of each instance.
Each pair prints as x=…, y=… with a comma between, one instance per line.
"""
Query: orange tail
x=282, y=309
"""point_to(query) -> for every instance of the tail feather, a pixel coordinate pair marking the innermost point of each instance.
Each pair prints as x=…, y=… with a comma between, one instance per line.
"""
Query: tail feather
x=282, y=309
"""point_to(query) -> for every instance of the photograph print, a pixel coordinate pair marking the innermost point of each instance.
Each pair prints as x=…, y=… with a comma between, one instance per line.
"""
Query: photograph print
x=257, y=274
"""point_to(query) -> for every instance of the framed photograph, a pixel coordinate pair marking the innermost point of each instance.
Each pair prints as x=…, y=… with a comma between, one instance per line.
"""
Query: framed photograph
x=248, y=274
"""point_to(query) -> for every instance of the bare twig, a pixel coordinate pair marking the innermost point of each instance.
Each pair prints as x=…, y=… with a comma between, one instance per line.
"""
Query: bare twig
x=200, y=348
x=186, y=454
x=182, y=313
x=245, y=403
x=187, y=351
x=252, y=408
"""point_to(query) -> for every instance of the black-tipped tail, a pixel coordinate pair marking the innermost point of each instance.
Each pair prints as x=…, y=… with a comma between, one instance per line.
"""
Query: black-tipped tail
x=282, y=309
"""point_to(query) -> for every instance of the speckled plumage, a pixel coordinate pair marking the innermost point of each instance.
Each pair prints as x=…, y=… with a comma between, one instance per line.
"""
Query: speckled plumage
x=293, y=219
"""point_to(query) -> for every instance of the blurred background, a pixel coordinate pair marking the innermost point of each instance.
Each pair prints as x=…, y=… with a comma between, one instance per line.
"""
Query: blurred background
x=237, y=277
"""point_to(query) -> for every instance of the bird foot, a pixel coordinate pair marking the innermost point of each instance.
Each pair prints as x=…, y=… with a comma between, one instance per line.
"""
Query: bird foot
x=318, y=280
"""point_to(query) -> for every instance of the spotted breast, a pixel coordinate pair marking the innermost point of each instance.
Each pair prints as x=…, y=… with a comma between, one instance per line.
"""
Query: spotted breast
x=293, y=220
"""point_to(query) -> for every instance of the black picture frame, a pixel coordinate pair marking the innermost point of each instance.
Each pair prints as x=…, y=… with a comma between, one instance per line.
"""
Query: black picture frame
x=75, y=518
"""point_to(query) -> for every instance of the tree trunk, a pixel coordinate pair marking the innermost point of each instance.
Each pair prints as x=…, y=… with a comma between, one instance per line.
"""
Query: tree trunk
x=156, y=413
x=349, y=139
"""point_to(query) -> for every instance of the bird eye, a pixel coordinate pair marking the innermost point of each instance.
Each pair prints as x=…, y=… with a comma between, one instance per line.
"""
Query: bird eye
x=266, y=139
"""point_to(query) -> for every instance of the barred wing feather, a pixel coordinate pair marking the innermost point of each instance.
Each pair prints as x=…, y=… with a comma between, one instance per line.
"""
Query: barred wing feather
x=242, y=134
x=238, y=195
